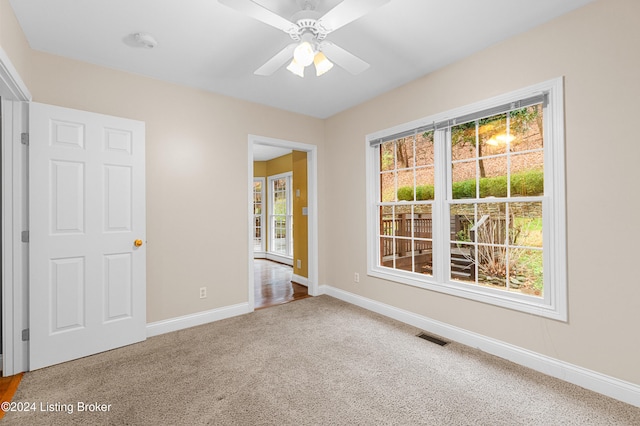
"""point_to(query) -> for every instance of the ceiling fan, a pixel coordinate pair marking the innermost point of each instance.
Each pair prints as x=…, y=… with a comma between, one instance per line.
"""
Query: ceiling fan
x=308, y=29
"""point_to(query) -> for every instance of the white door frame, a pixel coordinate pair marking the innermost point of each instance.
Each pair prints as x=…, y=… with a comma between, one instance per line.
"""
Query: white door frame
x=15, y=96
x=312, y=208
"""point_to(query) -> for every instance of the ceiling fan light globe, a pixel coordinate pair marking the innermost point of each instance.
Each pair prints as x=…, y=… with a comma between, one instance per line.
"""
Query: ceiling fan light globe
x=304, y=54
x=296, y=68
x=322, y=63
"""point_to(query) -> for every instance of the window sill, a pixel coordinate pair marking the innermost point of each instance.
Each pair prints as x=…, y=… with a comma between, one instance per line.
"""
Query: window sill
x=514, y=301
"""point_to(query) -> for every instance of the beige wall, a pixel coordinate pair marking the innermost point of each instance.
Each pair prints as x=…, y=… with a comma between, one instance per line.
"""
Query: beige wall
x=12, y=39
x=595, y=49
x=197, y=156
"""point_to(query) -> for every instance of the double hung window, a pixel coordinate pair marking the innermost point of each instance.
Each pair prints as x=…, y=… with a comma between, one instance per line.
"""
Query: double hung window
x=471, y=202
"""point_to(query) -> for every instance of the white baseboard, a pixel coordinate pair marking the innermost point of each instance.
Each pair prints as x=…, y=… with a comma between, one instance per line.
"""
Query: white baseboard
x=180, y=323
x=300, y=280
x=597, y=382
x=280, y=259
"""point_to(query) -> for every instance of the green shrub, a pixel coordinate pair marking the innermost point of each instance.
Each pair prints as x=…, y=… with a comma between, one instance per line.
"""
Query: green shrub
x=530, y=182
x=493, y=187
x=405, y=193
x=424, y=192
x=464, y=189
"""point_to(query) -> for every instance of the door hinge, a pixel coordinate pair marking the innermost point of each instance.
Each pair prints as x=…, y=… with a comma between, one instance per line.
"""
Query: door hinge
x=25, y=236
x=24, y=138
x=25, y=335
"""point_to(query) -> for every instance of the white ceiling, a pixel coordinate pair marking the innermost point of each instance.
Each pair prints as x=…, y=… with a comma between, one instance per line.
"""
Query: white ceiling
x=204, y=44
x=266, y=152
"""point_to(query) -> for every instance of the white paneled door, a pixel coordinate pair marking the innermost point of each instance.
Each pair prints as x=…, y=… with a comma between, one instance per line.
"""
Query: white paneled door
x=87, y=234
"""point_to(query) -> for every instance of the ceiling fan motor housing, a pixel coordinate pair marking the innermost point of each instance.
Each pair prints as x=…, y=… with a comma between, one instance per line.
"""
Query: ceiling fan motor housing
x=307, y=22
x=307, y=26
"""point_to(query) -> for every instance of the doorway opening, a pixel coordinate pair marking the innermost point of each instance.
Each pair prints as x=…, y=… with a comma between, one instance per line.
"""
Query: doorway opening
x=274, y=284
x=282, y=221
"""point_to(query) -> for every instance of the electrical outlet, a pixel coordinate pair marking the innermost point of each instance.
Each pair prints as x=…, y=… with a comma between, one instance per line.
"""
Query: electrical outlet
x=299, y=263
x=203, y=292
x=356, y=277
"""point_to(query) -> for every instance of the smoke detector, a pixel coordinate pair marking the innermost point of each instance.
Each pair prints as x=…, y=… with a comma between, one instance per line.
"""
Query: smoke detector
x=143, y=40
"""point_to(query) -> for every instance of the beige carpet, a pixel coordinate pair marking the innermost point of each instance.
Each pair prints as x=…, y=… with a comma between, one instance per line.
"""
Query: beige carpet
x=317, y=361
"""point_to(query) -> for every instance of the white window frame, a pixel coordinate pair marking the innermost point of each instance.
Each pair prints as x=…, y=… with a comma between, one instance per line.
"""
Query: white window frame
x=553, y=303
x=263, y=226
x=288, y=256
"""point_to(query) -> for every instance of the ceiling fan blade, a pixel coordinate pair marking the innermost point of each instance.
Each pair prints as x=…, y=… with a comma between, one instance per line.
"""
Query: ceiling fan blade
x=346, y=12
x=344, y=59
x=280, y=58
x=260, y=13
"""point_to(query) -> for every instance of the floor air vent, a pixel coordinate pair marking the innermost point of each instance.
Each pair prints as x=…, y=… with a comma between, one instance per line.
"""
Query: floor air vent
x=432, y=339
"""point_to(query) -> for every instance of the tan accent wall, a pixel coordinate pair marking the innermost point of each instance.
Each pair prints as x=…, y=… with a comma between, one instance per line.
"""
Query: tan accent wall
x=300, y=221
x=595, y=48
x=280, y=165
x=259, y=169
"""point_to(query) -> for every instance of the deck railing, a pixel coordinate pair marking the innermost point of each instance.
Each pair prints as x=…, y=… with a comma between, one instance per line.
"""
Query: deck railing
x=400, y=226
x=405, y=226
x=401, y=231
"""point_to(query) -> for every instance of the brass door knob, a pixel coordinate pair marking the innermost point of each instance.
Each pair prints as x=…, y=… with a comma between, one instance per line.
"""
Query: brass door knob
x=137, y=243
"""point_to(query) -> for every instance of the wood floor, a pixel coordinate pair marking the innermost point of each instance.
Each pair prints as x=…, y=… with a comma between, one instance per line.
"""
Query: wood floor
x=273, y=286
x=8, y=387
